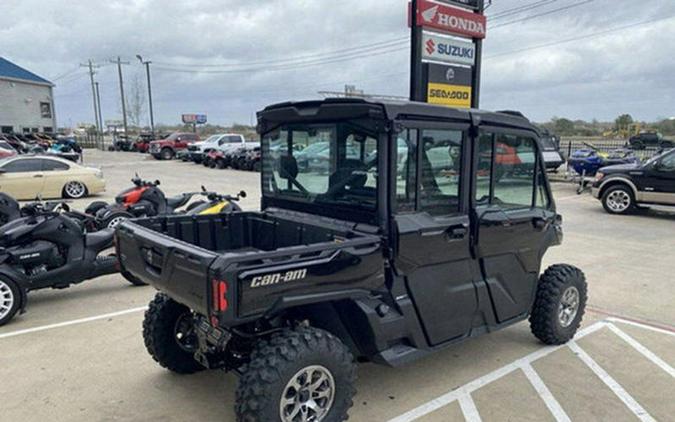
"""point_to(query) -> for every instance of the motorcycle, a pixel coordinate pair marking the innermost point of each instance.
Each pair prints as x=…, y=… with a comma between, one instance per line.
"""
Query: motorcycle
x=48, y=249
x=144, y=199
x=216, y=203
x=10, y=210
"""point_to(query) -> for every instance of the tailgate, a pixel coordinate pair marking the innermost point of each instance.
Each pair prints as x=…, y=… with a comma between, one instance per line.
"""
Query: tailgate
x=174, y=267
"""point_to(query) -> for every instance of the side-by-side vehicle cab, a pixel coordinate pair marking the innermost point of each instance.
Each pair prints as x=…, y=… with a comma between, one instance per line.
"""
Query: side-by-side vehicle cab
x=419, y=227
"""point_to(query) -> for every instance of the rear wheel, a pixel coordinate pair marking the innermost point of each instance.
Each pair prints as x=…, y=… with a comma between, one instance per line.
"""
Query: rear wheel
x=10, y=300
x=618, y=200
x=166, y=154
x=169, y=335
x=302, y=374
x=74, y=190
x=559, y=305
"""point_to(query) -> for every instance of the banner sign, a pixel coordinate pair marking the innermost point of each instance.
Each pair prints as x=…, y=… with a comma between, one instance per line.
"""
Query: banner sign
x=199, y=119
x=440, y=48
x=451, y=19
x=449, y=85
x=470, y=4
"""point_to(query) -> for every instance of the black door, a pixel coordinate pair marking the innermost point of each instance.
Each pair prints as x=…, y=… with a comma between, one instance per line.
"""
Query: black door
x=513, y=212
x=658, y=180
x=432, y=221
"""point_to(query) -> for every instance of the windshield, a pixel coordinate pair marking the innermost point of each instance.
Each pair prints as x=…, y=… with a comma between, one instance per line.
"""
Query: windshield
x=548, y=142
x=324, y=164
x=659, y=156
x=211, y=139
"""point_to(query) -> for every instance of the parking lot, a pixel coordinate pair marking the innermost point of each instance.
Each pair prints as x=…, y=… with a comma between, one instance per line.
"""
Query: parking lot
x=78, y=354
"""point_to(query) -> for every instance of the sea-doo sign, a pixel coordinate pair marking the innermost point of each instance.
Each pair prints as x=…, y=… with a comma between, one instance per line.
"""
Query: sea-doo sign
x=450, y=19
x=439, y=48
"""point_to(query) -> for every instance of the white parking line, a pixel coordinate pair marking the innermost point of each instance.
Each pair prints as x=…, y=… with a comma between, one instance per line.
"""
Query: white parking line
x=545, y=394
x=474, y=385
x=72, y=322
x=469, y=409
x=622, y=394
x=639, y=325
x=643, y=350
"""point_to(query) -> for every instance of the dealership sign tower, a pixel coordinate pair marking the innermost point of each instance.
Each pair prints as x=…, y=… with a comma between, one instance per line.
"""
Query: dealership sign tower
x=447, y=38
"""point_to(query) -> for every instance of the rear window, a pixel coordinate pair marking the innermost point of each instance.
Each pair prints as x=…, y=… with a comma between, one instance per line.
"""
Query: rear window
x=52, y=165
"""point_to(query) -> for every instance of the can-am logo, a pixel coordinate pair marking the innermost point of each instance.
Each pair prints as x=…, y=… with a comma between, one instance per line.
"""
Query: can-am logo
x=451, y=19
x=278, y=278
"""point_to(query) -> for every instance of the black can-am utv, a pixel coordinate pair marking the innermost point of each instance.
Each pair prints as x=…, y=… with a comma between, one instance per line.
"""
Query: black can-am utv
x=422, y=226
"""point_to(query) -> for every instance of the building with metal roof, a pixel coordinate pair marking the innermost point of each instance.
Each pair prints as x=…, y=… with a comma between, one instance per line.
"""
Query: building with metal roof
x=26, y=100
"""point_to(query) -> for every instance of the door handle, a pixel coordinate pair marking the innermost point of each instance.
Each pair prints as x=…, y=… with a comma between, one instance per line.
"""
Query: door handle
x=37, y=175
x=540, y=223
x=458, y=232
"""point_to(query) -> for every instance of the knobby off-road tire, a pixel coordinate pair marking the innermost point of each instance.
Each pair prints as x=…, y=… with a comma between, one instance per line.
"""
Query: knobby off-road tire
x=559, y=305
x=294, y=367
x=160, y=335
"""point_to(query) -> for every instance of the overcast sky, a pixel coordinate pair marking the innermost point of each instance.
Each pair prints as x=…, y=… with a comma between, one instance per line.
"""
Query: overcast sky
x=229, y=58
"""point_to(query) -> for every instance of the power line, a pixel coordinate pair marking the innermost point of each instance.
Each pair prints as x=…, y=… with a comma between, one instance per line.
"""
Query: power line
x=520, y=9
x=582, y=37
x=549, y=12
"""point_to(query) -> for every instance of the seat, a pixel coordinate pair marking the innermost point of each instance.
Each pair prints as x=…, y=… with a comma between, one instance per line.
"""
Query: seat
x=177, y=201
x=99, y=240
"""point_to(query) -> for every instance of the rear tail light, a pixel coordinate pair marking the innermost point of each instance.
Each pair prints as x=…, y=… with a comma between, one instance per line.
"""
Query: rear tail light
x=219, y=295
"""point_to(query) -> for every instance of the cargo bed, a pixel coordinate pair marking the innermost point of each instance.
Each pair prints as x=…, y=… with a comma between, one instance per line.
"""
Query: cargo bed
x=268, y=260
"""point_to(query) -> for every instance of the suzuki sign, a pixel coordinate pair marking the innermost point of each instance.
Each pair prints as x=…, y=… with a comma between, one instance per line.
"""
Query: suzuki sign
x=439, y=48
x=450, y=19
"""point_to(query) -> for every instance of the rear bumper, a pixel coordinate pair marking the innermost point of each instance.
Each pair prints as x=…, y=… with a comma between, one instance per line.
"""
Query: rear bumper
x=96, y=186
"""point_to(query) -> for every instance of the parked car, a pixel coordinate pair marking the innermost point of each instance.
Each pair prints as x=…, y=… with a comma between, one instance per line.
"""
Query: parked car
x=27, y=177
x=142, y=143
x=622, y=188
x=196, y=151
x=6, y=150
x=362, y=264
x=650, y=139
x=166, y=149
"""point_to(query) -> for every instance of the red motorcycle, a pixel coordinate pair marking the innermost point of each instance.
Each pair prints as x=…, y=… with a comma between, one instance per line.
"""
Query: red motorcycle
x=144, y=199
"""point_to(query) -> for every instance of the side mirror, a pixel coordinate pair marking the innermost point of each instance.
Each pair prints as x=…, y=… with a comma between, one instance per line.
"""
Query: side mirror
x=242, y=194
x=157, y=182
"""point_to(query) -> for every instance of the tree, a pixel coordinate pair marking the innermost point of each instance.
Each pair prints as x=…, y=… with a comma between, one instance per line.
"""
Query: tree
x=623, y=121
x=563, y=127
x=136, y=101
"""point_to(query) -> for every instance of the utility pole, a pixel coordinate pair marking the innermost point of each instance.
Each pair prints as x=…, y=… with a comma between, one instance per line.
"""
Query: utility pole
x=147, y=71
x=124, y=105
x=417, y=92
x=100, y=118
x=91, y=67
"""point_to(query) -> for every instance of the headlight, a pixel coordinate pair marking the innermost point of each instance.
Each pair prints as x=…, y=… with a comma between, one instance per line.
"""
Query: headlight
x=599, y=176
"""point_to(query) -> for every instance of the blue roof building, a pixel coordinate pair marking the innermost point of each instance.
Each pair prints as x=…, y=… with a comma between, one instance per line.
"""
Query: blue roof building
x=26, y=100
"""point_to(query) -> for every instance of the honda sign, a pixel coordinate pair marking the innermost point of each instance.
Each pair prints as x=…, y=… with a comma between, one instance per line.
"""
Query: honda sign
x=450, y=19
x=440, y=48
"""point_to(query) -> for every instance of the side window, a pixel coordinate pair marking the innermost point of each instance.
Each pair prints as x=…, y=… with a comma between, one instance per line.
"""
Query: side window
x=406, y=170
x=507, y=166
x=440, y=153
x=668, y=162
x=51, y=165
x=23, y=166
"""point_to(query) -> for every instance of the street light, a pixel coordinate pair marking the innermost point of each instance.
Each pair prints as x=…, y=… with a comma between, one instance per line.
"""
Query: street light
x=147, y=71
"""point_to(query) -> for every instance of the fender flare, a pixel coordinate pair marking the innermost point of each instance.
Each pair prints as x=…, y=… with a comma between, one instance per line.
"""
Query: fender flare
x=24, y=285
x=618, y=179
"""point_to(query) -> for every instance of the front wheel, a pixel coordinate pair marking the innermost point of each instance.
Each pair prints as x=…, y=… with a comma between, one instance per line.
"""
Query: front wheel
x=559, y=304
x=166, y=154
x=301, y=374
x=618, y=200
x=10, y=300
x=114, y=219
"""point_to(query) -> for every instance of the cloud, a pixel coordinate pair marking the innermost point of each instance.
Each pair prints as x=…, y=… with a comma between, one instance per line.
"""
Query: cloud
x=597, y=77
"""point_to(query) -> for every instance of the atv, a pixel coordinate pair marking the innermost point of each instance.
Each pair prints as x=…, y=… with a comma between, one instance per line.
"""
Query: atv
x=371, y=258
x=216, y=203
x=47, y=248
x=144, y=199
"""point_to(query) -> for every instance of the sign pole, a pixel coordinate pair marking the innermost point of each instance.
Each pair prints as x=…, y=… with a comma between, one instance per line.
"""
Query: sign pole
x=416, y=67
x=475, y=97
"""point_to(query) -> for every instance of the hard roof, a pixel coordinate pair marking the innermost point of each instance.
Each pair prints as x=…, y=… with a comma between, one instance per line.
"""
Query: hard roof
x=12, y=71
x=392, y=110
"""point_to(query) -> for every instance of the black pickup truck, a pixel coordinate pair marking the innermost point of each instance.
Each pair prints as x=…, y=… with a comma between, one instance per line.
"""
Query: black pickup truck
x=427, y=227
